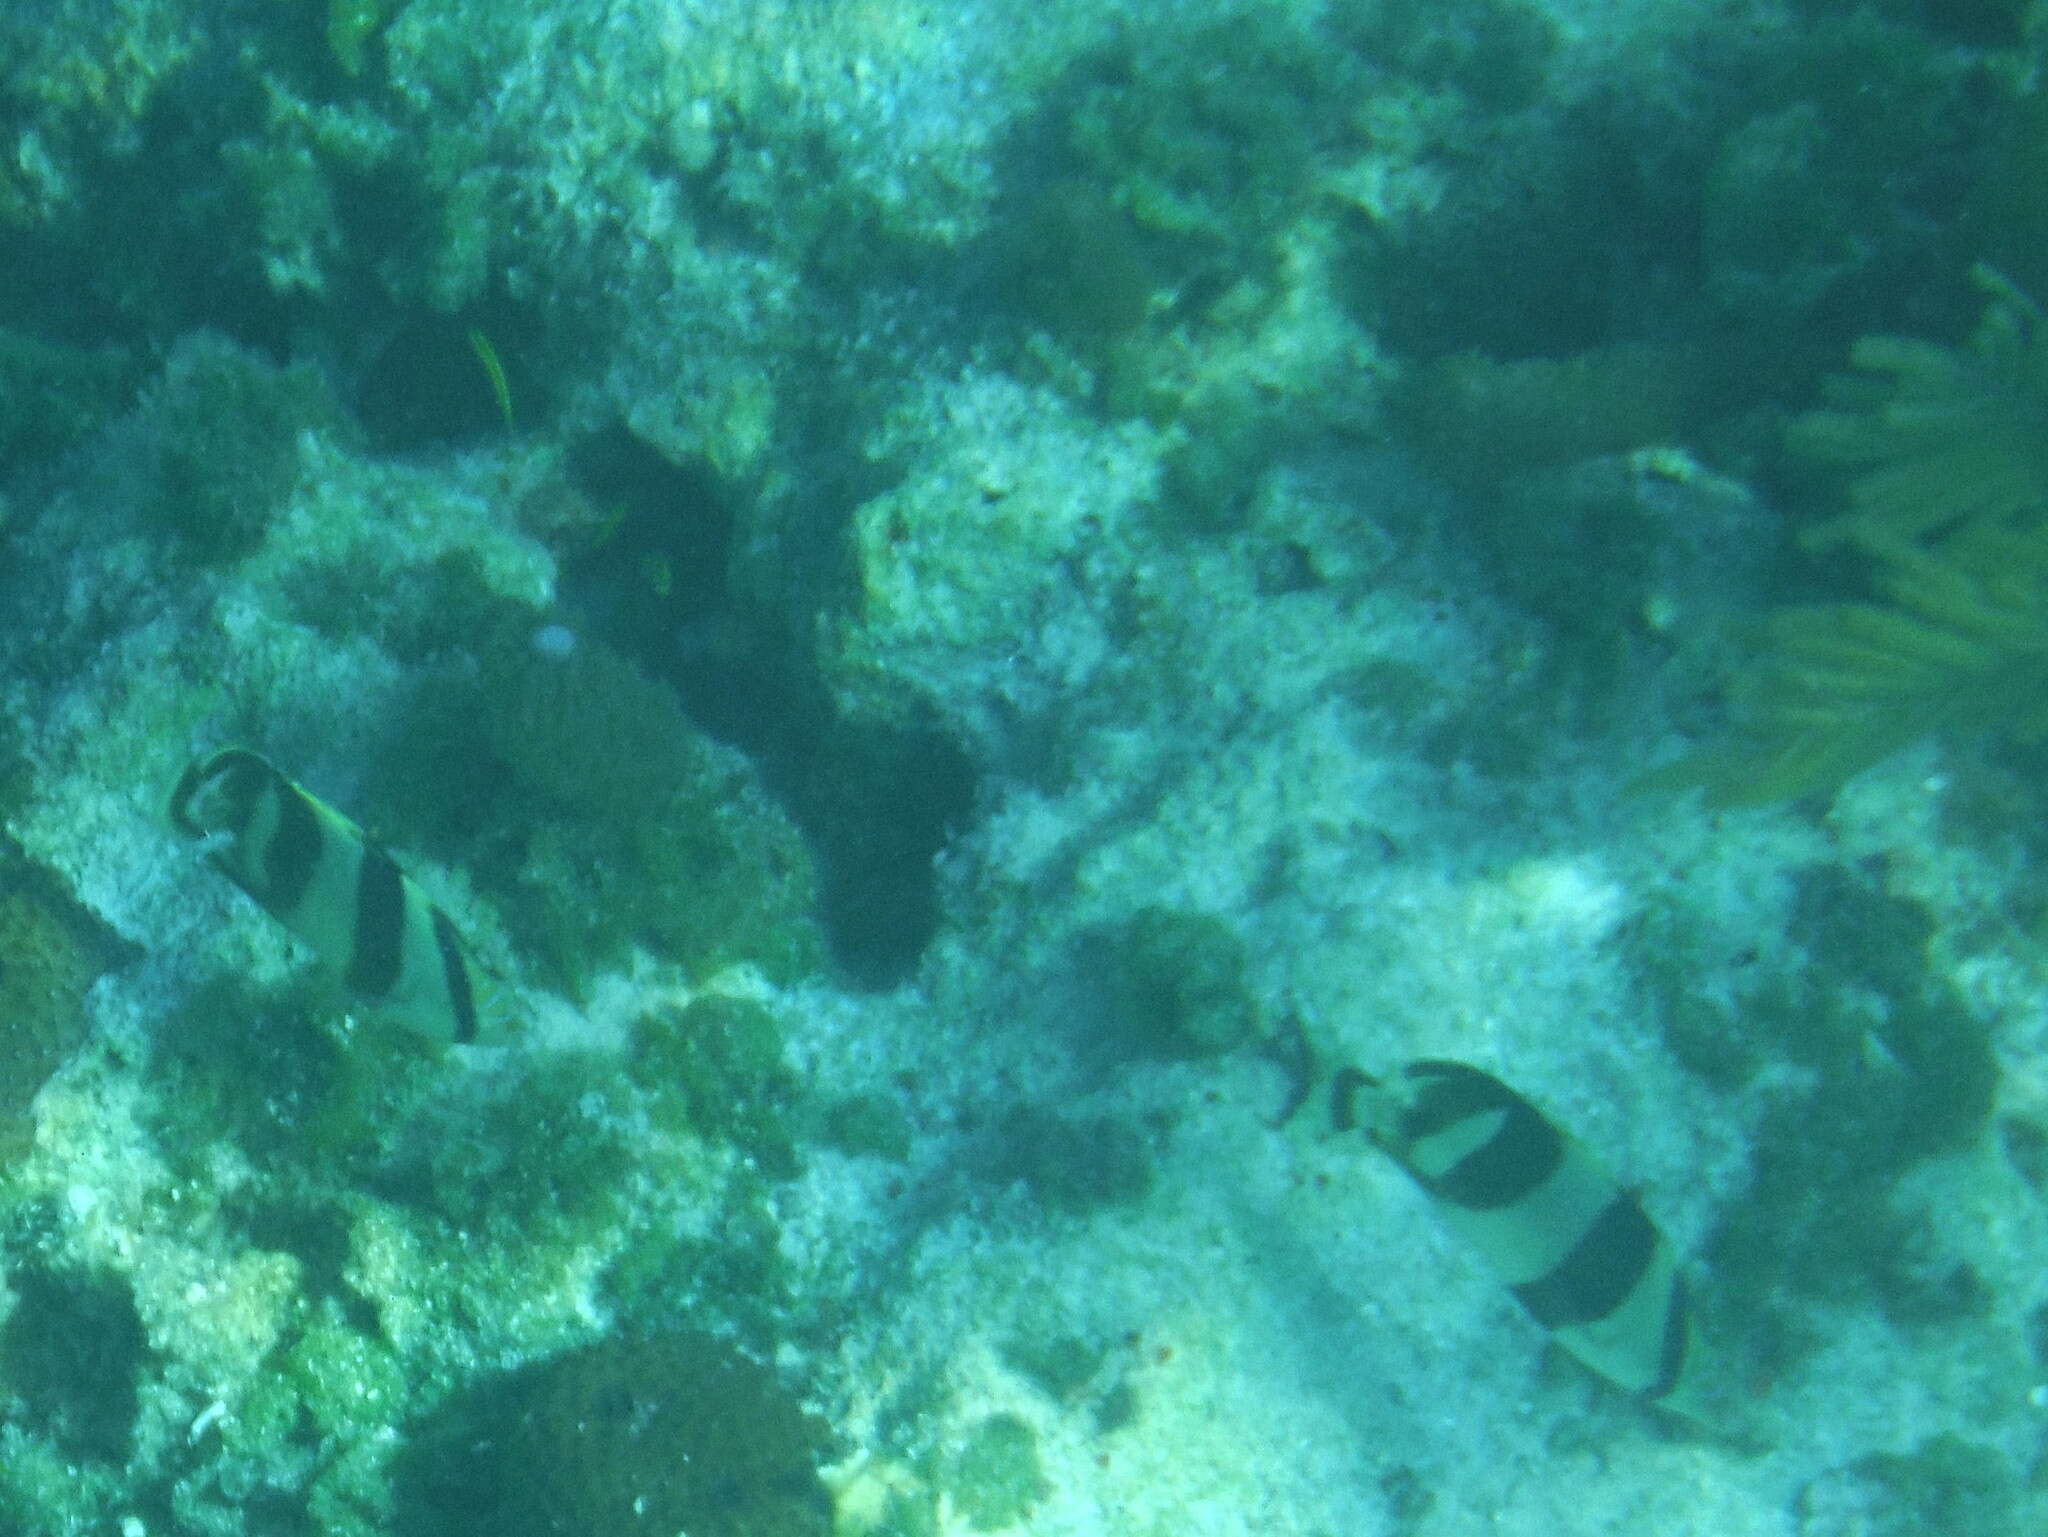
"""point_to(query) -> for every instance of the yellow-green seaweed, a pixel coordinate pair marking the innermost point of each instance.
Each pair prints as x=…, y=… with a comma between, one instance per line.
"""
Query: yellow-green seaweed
x=1949, y=503
x=1959, y=646
x=1940, y=437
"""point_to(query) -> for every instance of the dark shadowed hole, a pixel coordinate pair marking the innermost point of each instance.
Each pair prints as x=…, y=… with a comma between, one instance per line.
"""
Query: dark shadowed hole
x=876, y=803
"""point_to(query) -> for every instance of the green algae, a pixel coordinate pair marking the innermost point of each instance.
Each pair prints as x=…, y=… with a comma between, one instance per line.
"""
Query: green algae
x=54, y=950
x=1495, y=52
x=715, y=1068
x=1145, y=222
x=867, y=1126
x=1074, y=1372
x=670, y=582
x=1060, y=1366
x=1072, y=1162
x=1893, y=1065
x=48, y=1493
x=652, y=1435
x=1174, y=984
x=1945, y=1483
x=343, y=1379
x=994, y=1477
x=1208, y=159
x=53, y=395
x=906, y=1514
x=1074, y=260
x=1866, y=986
x=224, y=426
x=544, y=1156
x=647, y=832
x=589, y=733
x=265, y=1069
x=352, y=27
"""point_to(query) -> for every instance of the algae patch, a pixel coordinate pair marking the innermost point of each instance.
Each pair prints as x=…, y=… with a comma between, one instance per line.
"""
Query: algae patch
x=51, y=951
x=675, y=1432
x=644, y=830
x=995, y=1477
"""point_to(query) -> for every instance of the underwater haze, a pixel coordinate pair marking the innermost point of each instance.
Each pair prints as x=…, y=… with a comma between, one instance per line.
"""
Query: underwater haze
x=857, y=768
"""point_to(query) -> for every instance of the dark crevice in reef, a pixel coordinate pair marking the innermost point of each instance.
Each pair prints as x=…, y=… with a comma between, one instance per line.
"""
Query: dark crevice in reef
x=71, y=1352
x=876, y=803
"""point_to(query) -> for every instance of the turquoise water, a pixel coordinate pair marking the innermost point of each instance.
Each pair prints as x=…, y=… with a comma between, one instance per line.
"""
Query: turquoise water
x=906, y=652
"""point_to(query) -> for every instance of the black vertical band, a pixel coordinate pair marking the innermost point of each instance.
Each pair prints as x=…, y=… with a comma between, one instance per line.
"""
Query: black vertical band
x=1344, y=1089
x=1599, y=1273
x=1524, y=1152
x=455, y=974
x=295, y=846
x=377, y=948
x=1677, y=1341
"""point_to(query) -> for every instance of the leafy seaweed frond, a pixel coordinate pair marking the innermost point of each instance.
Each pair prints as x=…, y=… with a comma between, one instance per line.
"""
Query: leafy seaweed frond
x=1960, y=646
x=1941, y=436
x=1948, y=449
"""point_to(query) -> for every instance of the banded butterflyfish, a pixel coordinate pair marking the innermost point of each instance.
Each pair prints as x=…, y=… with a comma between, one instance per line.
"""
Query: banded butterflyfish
x=1575, y=1248
x=333, y=886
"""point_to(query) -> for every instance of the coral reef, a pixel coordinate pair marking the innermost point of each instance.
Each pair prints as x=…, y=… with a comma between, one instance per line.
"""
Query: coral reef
x=1835, y=687
x=916, y=580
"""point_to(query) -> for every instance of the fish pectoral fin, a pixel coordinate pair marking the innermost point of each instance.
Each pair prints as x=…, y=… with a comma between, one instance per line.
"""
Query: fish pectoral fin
x=1287, y=1048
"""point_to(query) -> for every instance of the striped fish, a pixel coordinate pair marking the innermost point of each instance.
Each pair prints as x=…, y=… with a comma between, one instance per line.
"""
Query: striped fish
x=327, y=881
x=1575, y=1248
